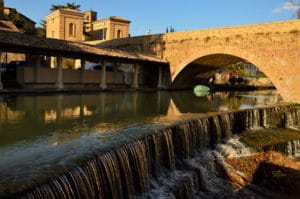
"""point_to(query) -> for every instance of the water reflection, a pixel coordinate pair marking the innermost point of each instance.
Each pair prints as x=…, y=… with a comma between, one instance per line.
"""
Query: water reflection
x=28, y=117
x=223, y=101
x=39, y=134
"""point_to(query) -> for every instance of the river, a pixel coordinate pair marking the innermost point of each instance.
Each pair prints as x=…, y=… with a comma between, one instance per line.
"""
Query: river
x=46, y=135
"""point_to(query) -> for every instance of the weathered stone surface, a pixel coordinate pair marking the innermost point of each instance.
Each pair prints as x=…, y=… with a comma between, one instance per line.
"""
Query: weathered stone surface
x=273, y=47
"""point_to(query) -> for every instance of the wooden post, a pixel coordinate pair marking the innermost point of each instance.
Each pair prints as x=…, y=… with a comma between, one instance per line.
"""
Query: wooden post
x=103, y=75
x=135, y=83
x=59, y=82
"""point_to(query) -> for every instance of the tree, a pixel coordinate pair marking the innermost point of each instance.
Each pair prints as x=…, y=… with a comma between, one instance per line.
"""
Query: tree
x=41, y=31
x=295, y=5
x=171, y=29
x=2, y=17
x=68, y=5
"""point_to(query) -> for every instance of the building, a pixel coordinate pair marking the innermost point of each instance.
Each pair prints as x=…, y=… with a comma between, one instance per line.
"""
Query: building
x=23, y=23
x=65, y=24
x=105, y=29
x=8, y=26
x=12, y=20
x=73, y=25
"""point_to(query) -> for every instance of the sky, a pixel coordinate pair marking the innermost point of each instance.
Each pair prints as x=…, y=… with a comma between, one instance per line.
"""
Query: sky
x=182, y=15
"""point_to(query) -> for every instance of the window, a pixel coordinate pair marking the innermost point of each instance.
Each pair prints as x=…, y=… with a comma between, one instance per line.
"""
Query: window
x=119, y=34
x=72, y=30
x=100, y=34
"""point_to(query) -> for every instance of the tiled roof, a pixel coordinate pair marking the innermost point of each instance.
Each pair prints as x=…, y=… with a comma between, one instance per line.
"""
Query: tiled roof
x=8, y=26
x=22, y=43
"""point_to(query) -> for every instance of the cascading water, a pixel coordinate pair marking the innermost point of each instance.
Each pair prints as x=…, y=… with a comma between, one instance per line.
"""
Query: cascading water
x=174, y=161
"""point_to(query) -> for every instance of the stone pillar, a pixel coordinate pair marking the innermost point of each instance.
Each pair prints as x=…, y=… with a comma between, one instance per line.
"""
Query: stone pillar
x=36, y=69
x=159, y=85
x=135, y=83
x=82, y=69
x=53, y=62
x=115, y=73
x=103, y=75
x=59, y=81
x=1, y=85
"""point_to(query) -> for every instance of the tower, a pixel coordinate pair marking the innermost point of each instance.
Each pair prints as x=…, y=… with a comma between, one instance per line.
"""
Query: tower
x=66, y=24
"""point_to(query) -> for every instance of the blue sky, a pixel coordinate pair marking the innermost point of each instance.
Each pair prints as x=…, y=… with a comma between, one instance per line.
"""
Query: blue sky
x=182, y=15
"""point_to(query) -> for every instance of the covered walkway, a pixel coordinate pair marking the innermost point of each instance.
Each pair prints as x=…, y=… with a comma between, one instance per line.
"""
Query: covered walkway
x=58, y=78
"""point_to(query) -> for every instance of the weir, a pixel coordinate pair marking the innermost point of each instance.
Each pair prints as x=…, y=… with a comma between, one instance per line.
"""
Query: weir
x=134, y=167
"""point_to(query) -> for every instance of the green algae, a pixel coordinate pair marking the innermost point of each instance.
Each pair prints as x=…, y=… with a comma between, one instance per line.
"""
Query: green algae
x=269, y=136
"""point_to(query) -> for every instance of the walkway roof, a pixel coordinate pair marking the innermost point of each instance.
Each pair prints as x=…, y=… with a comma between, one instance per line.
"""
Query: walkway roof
x=21, y=43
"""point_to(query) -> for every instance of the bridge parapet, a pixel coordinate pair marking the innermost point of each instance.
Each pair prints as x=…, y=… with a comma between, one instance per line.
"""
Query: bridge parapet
x=273, y=47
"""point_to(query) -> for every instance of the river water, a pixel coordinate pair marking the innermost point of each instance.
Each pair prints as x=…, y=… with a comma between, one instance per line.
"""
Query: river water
x=46, y=135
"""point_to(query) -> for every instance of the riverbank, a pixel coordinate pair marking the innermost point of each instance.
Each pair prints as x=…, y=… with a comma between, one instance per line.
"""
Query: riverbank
x=271, y=170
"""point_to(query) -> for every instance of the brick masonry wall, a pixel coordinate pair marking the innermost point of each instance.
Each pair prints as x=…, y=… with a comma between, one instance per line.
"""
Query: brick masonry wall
x=273, y=47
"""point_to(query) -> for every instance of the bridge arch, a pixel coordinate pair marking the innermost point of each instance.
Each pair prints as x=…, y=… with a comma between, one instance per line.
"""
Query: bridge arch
x=217, y=57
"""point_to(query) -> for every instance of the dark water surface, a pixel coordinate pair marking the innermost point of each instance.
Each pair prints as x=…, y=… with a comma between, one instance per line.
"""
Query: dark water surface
x=46, y=135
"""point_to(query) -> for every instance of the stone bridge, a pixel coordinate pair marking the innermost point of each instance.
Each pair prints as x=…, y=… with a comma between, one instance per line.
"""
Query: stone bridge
x=274, y=48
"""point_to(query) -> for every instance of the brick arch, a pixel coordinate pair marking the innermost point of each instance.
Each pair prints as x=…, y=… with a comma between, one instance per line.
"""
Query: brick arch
x=260, y=62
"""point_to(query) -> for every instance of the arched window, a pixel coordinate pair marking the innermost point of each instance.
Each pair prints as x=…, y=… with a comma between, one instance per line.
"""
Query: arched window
x=119, y=34
x=72, y=30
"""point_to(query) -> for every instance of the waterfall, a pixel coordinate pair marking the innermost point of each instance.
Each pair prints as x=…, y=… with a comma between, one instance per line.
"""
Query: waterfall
x=294, y=148
x=290, y=148
x=129, y=171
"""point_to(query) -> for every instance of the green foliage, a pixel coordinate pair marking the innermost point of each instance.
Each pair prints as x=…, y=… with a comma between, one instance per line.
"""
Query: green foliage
x=41, y=32
x=170, y=29
x=68, y=5
x=2, y=17
x=43, y=23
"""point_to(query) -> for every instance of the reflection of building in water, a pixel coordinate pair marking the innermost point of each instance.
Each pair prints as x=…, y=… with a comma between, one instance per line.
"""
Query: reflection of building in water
x=173, y=111
x=67, y=113
x=9, y=115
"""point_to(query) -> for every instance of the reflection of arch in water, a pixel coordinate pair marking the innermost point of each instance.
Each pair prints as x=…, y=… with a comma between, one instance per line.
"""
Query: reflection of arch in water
x=188, y=102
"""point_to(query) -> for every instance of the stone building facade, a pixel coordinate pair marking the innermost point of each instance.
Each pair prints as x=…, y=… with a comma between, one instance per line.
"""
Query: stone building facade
x=65, y=24
x=105, y=29
x=73, y=25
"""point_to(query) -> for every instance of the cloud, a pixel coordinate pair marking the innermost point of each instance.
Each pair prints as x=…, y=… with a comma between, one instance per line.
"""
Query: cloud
x=277, y=10
x=286, y=6
x=290, y=6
